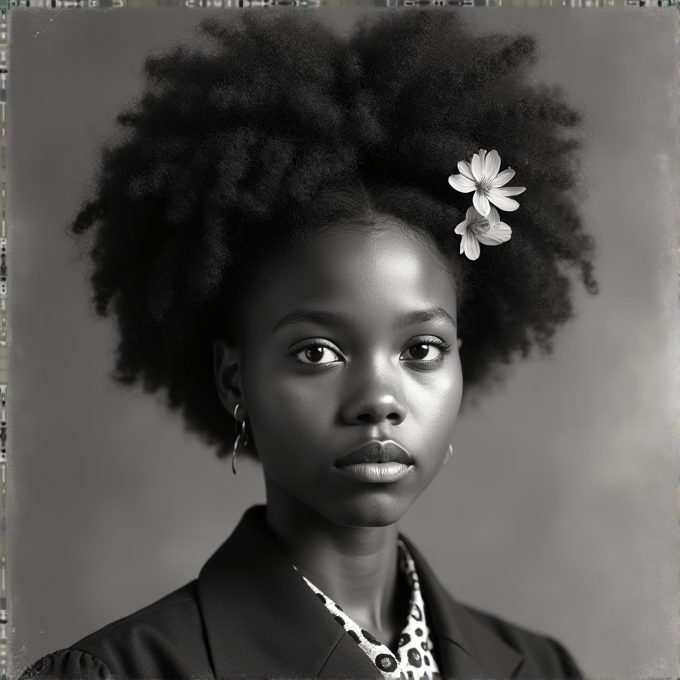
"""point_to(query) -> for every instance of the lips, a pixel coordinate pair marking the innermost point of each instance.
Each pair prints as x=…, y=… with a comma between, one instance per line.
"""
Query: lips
x=376, y=452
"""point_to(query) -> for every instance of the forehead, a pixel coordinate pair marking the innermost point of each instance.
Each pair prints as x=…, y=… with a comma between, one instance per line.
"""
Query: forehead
x=377, y=271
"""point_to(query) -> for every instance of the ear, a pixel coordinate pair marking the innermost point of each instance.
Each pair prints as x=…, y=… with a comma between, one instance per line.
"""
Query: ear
x=227, y=364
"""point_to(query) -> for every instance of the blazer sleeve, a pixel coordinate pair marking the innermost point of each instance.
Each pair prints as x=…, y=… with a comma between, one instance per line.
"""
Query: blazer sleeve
x=567, y=661
x=68, y=664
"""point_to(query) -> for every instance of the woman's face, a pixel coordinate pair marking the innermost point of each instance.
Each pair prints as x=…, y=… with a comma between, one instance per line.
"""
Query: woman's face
x=354, y=341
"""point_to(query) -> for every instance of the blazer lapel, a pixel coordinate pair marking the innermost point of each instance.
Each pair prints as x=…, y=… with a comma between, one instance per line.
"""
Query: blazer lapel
x=467, y=650
x=261, y=618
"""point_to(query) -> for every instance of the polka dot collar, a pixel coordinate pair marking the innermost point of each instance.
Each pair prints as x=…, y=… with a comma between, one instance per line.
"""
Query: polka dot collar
x=414, y=657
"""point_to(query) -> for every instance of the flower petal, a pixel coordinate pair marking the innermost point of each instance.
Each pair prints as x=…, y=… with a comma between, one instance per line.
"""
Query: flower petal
x=470, y=245
x=509, y=191
x=493, y=217
x=481, y=203
x=462, y=183
x=504, y=203
x=503, y=177
x=462, y=227
x=492, y=164
x=477, y=167
x=465, y=169
x=493, y=237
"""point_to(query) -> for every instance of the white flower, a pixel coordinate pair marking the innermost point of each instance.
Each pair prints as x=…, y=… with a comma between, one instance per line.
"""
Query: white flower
x=482, y=177
x=477, y=228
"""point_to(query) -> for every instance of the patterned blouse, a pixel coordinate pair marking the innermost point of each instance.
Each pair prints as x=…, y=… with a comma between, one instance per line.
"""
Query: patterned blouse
x=414, y=657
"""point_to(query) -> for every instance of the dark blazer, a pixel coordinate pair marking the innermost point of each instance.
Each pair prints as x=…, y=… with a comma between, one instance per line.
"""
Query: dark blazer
x=249, y=614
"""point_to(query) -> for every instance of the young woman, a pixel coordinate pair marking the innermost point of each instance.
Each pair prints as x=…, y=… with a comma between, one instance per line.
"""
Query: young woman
x=320, y=241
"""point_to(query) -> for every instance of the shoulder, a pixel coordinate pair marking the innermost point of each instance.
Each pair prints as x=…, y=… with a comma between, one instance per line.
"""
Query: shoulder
x=165, y=639
x=542, y=654
x=67, y=663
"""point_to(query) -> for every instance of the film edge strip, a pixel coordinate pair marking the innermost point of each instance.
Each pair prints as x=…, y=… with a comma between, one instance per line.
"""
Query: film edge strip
x=228, y=4
x=4, y=344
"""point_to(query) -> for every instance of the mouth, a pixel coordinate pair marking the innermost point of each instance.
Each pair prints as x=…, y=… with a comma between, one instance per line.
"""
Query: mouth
x=376, y=462
x=376, y=451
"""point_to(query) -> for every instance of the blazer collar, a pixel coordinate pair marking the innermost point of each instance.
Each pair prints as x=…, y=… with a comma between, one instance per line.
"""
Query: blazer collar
x=262, y=620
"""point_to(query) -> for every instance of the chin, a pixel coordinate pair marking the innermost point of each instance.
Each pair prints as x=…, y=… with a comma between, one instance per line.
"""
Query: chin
x=370, y=512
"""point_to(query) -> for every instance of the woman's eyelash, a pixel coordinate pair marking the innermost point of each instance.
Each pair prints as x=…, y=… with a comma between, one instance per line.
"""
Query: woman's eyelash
x=441, y=344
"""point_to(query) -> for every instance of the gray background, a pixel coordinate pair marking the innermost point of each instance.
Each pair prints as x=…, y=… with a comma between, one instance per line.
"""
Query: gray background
x=558, y=509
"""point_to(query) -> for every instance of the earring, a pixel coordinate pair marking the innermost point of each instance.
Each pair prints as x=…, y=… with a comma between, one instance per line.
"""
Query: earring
x=448, y=455
x=240, y=432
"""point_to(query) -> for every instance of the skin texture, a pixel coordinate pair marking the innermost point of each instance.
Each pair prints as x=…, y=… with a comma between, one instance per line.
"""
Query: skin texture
x=307, y=406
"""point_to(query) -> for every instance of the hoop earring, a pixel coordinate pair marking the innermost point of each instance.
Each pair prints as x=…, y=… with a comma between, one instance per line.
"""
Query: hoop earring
x=240, y=432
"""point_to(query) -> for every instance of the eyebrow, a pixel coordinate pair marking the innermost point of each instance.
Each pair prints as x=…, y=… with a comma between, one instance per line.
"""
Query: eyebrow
x=340, y=320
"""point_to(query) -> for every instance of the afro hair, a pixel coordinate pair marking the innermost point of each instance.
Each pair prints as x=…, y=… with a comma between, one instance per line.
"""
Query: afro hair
x=271, y=126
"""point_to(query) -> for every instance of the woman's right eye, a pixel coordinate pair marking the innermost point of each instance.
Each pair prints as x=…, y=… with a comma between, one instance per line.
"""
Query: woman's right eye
x=316, y=354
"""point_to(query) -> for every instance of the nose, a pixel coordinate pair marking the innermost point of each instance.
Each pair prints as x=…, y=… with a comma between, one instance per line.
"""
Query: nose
x=377, y=398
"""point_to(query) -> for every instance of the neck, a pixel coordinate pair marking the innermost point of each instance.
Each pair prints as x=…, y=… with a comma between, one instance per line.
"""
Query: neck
x=355, y=566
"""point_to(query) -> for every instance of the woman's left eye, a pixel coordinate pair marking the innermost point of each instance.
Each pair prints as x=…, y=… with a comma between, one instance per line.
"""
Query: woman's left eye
x=425, y=352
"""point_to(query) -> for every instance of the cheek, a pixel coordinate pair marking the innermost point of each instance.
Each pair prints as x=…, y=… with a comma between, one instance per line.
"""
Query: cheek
x=290, y=413
x=455, y=388
x=298, y=401
x=436, y=399
x=436, y=412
